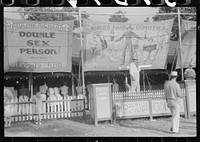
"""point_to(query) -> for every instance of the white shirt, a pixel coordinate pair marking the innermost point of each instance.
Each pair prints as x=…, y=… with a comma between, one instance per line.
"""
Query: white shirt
x=133, y=70
x=56, y=90
x=64, y=89
x=43, y=89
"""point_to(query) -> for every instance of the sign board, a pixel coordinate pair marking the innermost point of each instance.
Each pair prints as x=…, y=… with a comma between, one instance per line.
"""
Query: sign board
x=145, y=107
x=133, y=108
x=189, y=46
x=191, y=95
x=103, y=102
x=100, y=102
x=159, y=106
x=38, y=46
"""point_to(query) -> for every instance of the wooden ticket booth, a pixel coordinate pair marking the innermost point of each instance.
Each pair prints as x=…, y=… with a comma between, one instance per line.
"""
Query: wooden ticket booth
x=100, y=102
x=190, y=86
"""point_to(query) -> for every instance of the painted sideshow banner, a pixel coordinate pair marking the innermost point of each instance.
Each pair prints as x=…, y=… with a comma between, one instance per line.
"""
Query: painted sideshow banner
x=188, y=44
x=35, y=46
x=110, y=46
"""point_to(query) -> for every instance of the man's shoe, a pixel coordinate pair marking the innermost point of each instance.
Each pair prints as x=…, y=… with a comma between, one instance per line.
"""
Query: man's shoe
x=174, y=132
x=171, y=130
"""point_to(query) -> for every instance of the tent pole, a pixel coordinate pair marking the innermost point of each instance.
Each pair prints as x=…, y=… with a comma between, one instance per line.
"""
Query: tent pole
x=73, y=94
x=174, y=57
x=144, y=82
x=82, y=50
x=109, y=78
x=30, y=85
x=180, y=43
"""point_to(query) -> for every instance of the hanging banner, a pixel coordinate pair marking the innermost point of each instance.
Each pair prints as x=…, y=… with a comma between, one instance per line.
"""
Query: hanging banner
x=5, y=51
x=188, y=44
x=38, y=46
x=110, y=46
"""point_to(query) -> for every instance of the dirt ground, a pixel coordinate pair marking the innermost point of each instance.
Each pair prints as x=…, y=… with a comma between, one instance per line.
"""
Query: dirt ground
x=159, y=127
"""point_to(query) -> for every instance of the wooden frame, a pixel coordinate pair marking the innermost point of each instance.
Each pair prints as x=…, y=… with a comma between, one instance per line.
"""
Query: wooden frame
x=93, y=101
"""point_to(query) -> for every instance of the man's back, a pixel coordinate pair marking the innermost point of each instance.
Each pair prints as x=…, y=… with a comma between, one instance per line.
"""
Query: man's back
x=172, y=90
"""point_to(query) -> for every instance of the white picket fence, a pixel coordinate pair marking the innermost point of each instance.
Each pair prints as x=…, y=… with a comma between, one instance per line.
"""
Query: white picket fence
x=70, y=106
x=141, y=94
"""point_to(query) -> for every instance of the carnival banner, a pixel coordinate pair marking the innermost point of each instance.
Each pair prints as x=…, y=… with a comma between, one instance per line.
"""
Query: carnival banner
x=188, y=48
x=38, y=46
x=110, y=46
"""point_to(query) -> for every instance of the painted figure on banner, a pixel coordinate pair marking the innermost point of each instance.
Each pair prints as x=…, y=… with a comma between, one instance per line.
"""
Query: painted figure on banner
x=103, y=42
x=172, y=93
x=112, y=35
x=150, y=49
x=190, y=72
x=128, y=35
x=93, y=45
x=134, y=71
x=8, y=107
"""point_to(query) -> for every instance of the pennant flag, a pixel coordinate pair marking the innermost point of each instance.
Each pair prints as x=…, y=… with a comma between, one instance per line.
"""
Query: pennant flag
x=110, y=46
x=38, y=46
x=188, y=48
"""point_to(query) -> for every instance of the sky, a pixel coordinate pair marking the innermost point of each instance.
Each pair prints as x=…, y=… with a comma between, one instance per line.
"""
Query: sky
x=106, y=10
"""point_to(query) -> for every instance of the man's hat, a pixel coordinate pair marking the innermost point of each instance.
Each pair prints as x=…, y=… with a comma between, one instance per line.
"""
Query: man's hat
x=191, y=64
x=174, y=73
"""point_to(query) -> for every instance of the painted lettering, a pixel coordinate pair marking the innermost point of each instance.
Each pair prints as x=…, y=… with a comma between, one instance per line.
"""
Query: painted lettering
x=37, y=43
x=27, y=65
x=36, y=34
x=38, y=51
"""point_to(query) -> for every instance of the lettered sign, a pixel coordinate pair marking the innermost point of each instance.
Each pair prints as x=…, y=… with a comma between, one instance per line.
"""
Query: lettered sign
x=35, y=46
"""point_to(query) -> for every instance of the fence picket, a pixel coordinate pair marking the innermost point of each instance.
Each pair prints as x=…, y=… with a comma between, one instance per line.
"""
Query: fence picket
x=68, y=106
x=65, y=106
x=58, y=107
x=16, y=108
x=48, y=108
x=61, y=107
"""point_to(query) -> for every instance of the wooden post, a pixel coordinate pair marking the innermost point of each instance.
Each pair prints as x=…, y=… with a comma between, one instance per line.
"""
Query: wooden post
x=73, y=93
x=82, y=53
x=144, y=82
x=180, y=43
x=30, y=85
x=108, y=78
